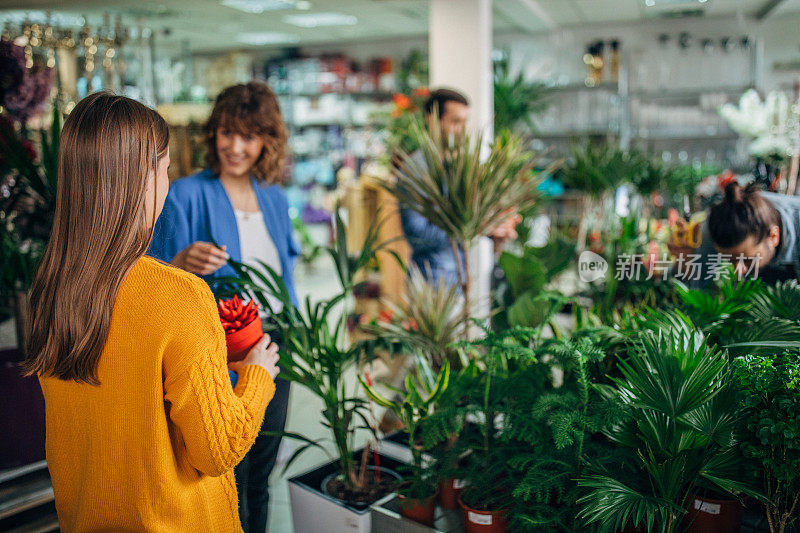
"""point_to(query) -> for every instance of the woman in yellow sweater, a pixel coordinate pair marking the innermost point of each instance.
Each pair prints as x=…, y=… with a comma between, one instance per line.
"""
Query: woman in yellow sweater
x=143, y=426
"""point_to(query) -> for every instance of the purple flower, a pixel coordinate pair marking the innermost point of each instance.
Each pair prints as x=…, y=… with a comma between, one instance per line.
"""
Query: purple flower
x=23, y=91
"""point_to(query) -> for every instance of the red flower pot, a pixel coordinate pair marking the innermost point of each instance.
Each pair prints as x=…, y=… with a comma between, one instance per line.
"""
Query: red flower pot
x=708, y=515
x=419, y=510
x=242, y=326
x=241, y=341
x=483, y=521
x=449, y=491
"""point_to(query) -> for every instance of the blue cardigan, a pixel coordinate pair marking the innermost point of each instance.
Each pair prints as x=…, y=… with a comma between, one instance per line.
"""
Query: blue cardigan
x=197, y=208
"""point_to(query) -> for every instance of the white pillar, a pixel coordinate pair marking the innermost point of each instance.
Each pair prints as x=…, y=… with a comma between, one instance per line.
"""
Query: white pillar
x=460, y=55
x=460, y=49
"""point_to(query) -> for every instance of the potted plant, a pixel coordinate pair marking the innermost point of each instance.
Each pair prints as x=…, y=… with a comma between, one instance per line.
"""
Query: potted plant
x=335, y=496
x=678, y=435
x=462, y=193
x=769, y=391
x=413, y=406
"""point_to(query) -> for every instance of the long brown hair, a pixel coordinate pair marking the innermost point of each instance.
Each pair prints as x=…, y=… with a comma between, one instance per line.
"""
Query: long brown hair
x=250, y=109
x=109, y=146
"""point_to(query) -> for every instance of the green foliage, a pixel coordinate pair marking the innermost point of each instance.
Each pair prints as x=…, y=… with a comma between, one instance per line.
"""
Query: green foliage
x=522, y=296
x=769, y=390
x=679, y=432
x=427, y=320
x=531, y=408
x=516, y=100
x=414, y=405
x=316, y=354
x=597, y=169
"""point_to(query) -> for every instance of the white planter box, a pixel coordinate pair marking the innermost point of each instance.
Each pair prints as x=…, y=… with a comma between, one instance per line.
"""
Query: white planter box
x=316, y=512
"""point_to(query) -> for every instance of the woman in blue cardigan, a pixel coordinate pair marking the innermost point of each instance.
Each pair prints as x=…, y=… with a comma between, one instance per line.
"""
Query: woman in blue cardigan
x=236, y=204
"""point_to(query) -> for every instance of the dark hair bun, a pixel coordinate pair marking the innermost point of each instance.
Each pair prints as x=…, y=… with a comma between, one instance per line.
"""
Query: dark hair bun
x=733, y=193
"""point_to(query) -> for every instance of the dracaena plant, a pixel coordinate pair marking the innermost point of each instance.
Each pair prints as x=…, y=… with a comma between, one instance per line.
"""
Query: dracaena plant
x=413, y=407
x=679, y=432
x=427, y=320
x=315, y=352
x=463, y=193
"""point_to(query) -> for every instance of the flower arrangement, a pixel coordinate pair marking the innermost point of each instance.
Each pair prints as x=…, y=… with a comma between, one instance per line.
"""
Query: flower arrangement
x=242, y=326
x=24, y=89
x=768, y=123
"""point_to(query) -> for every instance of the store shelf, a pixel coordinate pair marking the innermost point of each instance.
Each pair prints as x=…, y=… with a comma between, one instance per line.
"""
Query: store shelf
x=678, y=94
x=566, y=134
x=684, y=134
x=375, y=95
x=574, y=87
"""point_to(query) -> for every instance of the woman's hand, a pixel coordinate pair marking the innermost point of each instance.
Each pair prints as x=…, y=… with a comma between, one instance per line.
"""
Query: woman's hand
x=201, y=258
x=263, y=354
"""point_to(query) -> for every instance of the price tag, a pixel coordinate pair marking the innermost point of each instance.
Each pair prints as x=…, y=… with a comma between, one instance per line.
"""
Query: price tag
x=480, y=519
x=706, y=507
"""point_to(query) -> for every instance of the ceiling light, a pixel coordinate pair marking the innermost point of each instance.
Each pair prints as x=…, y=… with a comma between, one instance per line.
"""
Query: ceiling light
x=259, y=6
x=315, y=20
x=267, y=37
x=651, y=3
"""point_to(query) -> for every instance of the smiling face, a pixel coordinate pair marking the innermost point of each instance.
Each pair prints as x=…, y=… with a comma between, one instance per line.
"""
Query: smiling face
x=237, y=152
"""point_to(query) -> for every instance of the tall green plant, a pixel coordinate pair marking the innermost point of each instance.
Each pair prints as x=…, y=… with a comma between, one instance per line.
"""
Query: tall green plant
x=679, y=433
x=316, y=353
x=464, y=194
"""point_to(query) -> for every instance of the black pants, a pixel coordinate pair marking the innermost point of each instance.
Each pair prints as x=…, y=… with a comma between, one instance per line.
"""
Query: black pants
x=252, y=474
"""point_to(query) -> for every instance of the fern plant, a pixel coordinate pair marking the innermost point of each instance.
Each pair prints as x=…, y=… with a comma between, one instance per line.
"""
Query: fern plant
x=528, y=439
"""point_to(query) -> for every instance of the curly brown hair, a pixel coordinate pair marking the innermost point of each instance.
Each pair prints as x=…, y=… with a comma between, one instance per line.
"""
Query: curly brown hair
x=250, y=109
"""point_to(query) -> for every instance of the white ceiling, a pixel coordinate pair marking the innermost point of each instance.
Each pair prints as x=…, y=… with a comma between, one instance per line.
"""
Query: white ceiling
x=207, y=25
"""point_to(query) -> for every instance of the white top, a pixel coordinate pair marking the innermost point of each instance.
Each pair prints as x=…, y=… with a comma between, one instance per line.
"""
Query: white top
x=256, y=245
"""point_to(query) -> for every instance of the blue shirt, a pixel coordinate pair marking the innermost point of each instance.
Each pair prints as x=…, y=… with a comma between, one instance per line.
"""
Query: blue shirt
x=197, y=208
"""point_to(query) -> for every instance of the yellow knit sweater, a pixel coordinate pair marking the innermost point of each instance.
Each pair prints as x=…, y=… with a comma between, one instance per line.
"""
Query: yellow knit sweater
x=153, y=446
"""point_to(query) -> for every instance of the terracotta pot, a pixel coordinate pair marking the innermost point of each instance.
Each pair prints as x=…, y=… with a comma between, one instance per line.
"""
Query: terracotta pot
x=419, y=510
x=449, y=491
x=240, y=342
x=483, y=521
x=708, y=515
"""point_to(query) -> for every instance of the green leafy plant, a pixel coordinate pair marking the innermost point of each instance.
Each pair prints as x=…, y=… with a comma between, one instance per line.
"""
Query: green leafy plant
x=522, y=296
x=769, y=390
x=597, y=170
x=462, y=193
x=316, y=353
x=427, y=320
x=679, y=433
x=516, y=100
x=413, y=406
